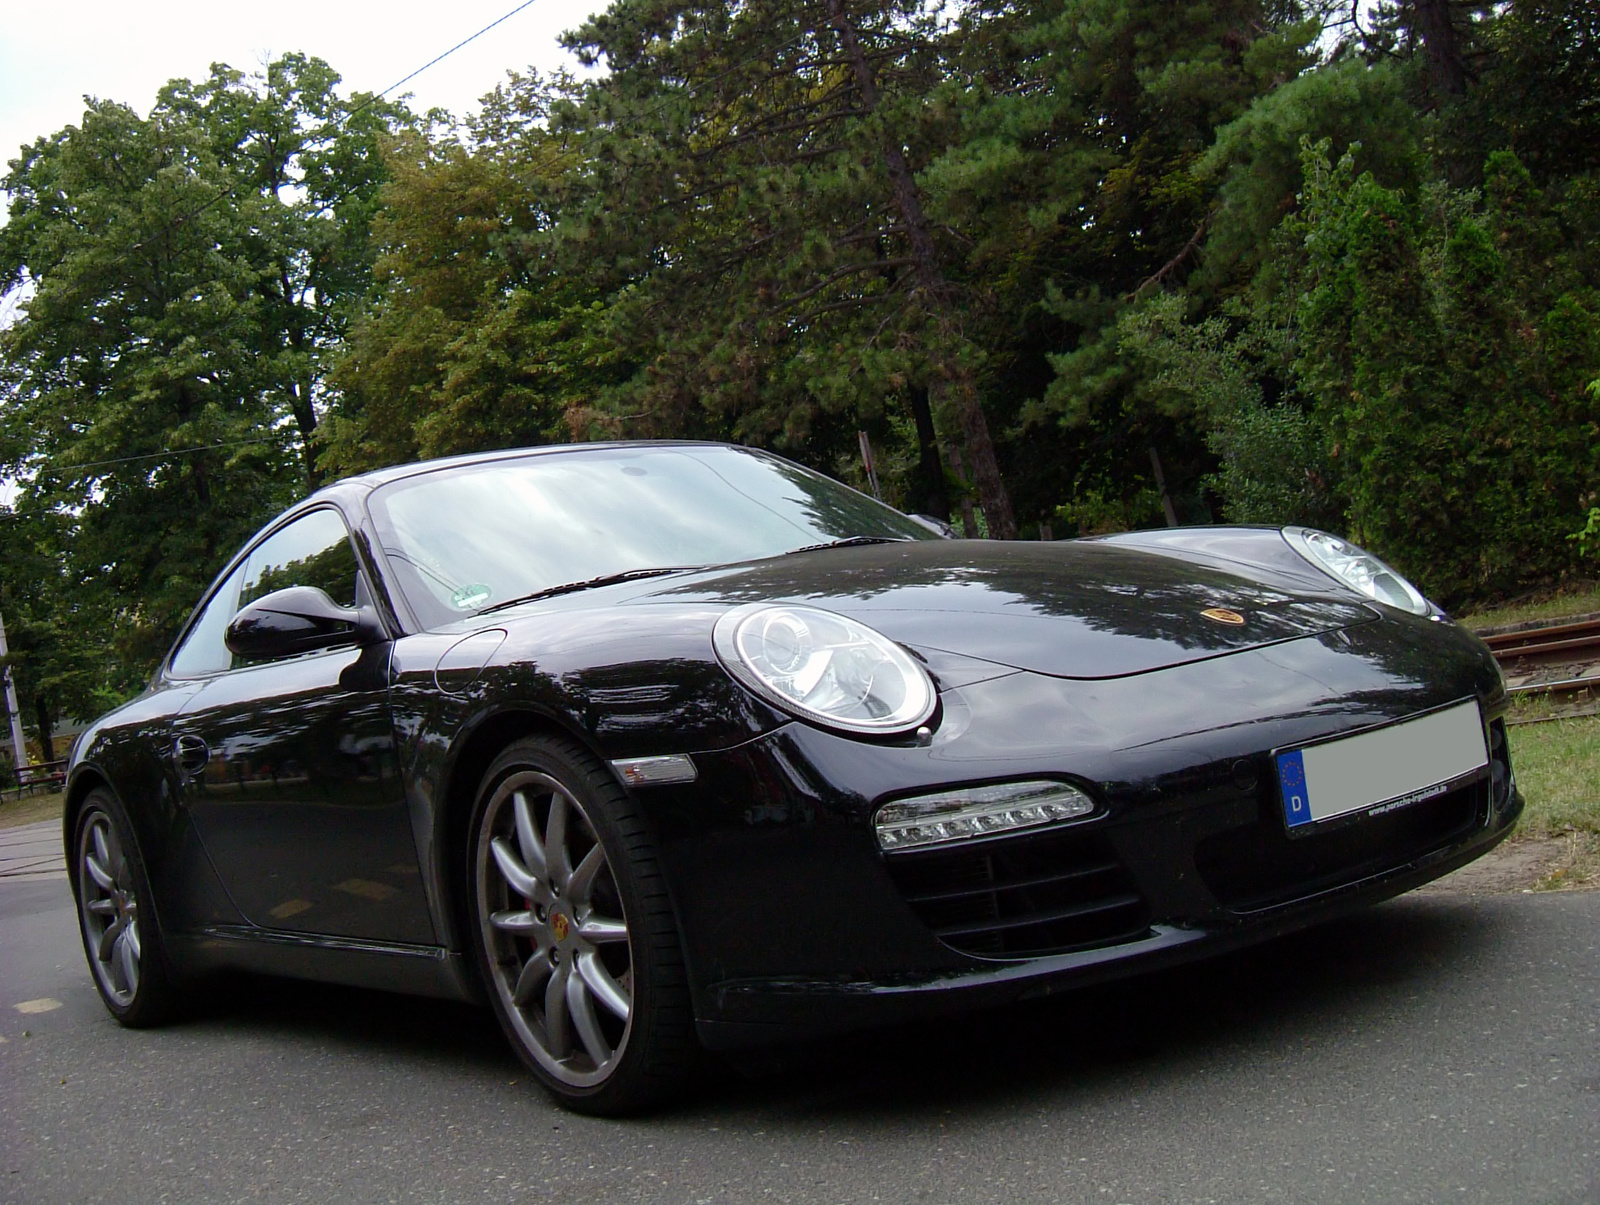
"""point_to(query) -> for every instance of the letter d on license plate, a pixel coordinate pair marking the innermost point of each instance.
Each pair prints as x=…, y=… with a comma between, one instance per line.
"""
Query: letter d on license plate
x=1385, y=768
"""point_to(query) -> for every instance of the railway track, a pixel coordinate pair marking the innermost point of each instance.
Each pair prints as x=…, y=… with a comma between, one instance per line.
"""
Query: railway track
x=1560, y=659
x=1553, y=643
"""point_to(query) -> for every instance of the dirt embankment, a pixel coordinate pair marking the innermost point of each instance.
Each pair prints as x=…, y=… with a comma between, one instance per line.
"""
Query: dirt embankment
x=1565, y=863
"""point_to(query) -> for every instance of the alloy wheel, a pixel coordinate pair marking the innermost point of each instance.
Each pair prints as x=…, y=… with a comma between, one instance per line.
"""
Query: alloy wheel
x=109, y=907
x=554, y=928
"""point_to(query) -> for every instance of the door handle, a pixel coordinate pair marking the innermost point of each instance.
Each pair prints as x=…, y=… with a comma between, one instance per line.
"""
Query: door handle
x=191, y=754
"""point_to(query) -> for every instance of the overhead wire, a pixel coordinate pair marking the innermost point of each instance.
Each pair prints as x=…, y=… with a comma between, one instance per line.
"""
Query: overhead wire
x=167, y=455
x=371, y=100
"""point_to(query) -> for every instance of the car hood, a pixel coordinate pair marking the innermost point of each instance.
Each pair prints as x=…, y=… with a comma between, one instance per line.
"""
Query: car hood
x=1070, y=609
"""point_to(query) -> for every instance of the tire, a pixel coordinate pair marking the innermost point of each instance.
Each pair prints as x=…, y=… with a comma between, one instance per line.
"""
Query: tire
x=121, y=936
x=573, y=931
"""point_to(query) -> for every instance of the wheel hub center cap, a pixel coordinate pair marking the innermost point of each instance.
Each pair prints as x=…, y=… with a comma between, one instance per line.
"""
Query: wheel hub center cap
x=560, y=926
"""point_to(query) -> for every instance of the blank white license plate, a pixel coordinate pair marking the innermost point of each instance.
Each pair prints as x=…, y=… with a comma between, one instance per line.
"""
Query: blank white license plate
x=1383, y=769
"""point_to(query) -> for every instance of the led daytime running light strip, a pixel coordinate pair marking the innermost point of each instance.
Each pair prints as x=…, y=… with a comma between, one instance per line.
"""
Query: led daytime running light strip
x=952, y=816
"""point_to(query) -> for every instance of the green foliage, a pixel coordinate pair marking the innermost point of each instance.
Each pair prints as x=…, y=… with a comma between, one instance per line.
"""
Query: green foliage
x=466, y=344
x=60, y=638
x=182, y=278
x=1539, y=91
x=1451, y=394
x=1273, y=458
x=1088, y=194
x=751, y=194
x=1588, y=537
x=1358, y=108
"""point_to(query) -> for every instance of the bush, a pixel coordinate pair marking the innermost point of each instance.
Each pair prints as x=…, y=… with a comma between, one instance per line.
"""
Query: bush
x=1446, y=366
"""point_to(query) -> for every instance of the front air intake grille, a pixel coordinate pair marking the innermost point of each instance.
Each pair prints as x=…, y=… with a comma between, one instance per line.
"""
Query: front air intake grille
x=1499, y=766
x=1022, y=897
x=1259, y=865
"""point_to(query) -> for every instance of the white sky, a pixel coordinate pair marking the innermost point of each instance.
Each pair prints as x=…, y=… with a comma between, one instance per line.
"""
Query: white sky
x=53, y=52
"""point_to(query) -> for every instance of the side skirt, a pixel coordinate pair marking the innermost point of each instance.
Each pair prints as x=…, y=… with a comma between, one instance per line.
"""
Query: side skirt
x=385, y=966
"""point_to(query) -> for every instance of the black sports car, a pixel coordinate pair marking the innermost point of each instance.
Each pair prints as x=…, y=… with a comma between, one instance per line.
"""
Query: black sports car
x=665, y=746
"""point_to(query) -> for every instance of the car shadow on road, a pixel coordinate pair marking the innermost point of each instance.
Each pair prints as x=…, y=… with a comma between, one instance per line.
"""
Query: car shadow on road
x=1361, y=973
x=355, y=1020
x=1364, y=973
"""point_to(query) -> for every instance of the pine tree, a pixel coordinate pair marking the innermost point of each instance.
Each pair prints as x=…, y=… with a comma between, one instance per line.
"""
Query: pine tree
x=753, y=202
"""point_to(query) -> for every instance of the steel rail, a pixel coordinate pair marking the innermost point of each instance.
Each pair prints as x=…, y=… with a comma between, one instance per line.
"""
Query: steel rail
x=1570, y=643
x=1555, y=638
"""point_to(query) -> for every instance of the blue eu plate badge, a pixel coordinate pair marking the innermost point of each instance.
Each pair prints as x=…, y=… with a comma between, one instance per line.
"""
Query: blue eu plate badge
x=1292, y=778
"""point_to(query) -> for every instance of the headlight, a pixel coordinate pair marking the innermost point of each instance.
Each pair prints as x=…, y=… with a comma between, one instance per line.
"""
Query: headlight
x=824, y=667
x=1359, y=570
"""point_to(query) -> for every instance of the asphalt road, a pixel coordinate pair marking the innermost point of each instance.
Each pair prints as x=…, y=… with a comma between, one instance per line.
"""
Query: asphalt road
x=1437, y=1048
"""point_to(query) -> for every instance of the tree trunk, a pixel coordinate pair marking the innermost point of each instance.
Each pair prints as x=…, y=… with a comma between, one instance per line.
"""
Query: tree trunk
x=305, y=418
x=956, y=392
x=1433, y=22
x=1161, y=486
x=301, y=390
x=928, y=494
x=969, y=521
x=41, y=713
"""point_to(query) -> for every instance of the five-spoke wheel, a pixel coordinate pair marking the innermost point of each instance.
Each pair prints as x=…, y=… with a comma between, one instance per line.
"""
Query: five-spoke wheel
x=574, y=931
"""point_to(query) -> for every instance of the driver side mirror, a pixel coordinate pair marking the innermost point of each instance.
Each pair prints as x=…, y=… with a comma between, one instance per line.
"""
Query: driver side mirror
x=300, y=619
x=938, y=526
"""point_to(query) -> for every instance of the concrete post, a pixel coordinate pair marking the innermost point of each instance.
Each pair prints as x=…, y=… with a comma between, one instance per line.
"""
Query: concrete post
x=11, y=705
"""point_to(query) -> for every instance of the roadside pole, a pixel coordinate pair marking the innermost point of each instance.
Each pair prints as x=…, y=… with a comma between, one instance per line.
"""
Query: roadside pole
x=17, y=745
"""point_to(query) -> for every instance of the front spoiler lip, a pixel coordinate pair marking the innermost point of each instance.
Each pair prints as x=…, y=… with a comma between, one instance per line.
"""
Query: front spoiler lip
x=759, y=1012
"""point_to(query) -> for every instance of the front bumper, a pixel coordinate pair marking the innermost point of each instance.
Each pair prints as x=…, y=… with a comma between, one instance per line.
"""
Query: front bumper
x=747, y=1014
x=795, y=924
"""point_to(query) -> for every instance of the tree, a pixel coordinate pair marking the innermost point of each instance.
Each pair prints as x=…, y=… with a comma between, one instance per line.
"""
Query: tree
x=1452, y=383
x=304, y=169
x=62, y=655
x=1077, y=178
x=463, y=346
x=183, y=275
x=1539, y=94
x=752, y=204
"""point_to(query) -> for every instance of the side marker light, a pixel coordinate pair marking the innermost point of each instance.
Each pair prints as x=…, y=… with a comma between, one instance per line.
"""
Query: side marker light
x=656, y=771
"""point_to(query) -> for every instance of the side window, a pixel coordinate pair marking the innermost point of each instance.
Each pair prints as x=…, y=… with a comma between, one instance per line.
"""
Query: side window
x=203, y=652
x=314, y=550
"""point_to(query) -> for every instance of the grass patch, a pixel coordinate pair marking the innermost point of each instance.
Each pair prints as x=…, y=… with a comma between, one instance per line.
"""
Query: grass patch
x=1558, y=769
x=1576, y=602
x=30, y=809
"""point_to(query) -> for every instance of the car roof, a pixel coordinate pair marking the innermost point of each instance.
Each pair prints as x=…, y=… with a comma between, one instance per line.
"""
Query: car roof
x=366, y=482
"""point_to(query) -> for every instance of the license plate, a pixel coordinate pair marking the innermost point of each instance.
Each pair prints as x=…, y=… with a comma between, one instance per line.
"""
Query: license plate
x=1382, y=769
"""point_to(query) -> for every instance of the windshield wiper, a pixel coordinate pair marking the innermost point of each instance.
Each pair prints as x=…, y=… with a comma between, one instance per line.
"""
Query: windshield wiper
x=848, y=542
x=605, y=579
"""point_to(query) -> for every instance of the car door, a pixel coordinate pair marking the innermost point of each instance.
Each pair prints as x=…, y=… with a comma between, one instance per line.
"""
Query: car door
x=289, y=767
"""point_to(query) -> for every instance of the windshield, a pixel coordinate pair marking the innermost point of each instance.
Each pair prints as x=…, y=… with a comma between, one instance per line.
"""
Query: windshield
x=463, y=539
